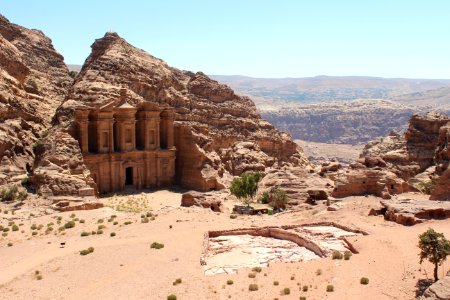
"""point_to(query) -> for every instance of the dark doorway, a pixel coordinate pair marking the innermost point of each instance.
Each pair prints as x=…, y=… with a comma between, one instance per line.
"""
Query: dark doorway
x=129, y=176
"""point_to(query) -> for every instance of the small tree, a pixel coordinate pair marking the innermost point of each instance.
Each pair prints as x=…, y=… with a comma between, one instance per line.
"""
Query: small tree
x=245, y=187
x=278, y=198
x=434, y=247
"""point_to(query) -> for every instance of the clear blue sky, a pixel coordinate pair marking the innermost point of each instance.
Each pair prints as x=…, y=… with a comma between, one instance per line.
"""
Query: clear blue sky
x=260, y=38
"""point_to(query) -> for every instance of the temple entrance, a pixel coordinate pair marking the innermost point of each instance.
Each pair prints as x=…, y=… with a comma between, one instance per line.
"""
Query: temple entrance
x=129, y=176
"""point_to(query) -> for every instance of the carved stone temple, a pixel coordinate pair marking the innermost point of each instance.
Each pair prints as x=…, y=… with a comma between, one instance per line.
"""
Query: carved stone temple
x=126, y=146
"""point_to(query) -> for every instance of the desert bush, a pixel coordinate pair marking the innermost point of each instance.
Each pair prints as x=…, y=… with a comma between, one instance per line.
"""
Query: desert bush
x=112, y=234
x=156, y=245
x=99, y=231
x=337, y=255
x=82, y=221
x=85, y=233
x=15, y=228
x=177, y=281
x=73, y=216
x=257, y=269
x=302, y=298
x=319, y=272
x=6, y=229
x=34, y=233
x=8, y=193
x=278, y=198
x=305, y=288
x=292, y=277
x=364, y=280
x=115, y=223
x=347, y=255
x=330, y=288
x=276, y=283
x=232, y=216
x=427, y=187
x=253, y=287
x=230, y=282
x=145, y=220
x=251, y=275
x=100, y=221
x=127, y=223
x=101, y=227
x=69, y=224
x=172, y=297
x=4, y=234
x=87, y=251
x=10, y=244
x=245, y=187
x=286, y=291
x=264, y=198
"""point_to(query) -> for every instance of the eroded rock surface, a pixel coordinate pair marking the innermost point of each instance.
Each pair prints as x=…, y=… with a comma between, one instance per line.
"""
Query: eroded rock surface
x=212, y=122
x=413, y=211
x=33, y=83
x=439, y=290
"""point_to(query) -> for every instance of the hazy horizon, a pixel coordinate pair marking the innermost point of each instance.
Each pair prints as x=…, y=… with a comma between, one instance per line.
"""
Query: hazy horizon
x=260, y=39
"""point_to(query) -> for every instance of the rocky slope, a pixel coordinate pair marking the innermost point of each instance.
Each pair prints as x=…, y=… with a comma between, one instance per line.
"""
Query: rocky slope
x=33, y=83
x=345, y=122
x=211, y=121
x=420, y=157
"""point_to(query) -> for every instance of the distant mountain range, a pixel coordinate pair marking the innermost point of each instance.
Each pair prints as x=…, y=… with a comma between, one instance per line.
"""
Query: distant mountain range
x=329, y=88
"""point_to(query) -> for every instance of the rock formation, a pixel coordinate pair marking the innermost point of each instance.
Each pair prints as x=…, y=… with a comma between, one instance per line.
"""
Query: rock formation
x=439, y=290
x=33, y=83
x=211, y=121
x=416, y=161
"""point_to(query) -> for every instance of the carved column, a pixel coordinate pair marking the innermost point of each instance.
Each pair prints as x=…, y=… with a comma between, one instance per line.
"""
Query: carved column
x=83, y=129
x=170, y=121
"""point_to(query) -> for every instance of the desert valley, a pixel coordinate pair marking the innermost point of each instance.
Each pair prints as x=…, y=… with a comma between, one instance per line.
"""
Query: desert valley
x=130, y=178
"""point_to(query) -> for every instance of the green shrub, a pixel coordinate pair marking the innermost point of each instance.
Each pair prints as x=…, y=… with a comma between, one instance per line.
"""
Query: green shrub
x=364, y=280
x=145, y=220
x=177, y=281
x=172, y=297
x=230, y=282
x=34, y=233
x=99, y=231
x=101, y=227
x=264, y=198
x=82, y=221
x=85, y=233
x=330, y=288
x=100, y=221
x=302, y=298
x=73, y=216
x=115, y=223
x=233, y=216
x=253, y=287
x=337, y=255
x=87, y=251
x=9, y=193
x=15, y=228
x=278, y=199
x=70, y=224
x=127, y=223
x=286, y=291
x=257, y=269
x=347, y=255
x=245, y=187
x=156, y=245
x=4, y=234
x=6, y=229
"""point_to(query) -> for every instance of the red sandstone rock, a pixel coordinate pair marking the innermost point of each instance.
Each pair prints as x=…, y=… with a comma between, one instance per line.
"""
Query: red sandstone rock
x=211, y=121
x=205, y=200
x=33, y=82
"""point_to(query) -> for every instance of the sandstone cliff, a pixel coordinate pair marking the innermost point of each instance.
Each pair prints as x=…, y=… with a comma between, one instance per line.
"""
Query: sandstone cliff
x=33, y=83
x=211, y=120
x=419, y=157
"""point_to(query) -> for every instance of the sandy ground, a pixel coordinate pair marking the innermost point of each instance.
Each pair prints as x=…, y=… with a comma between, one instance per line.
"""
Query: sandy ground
x=124, y=266
x=321, y=152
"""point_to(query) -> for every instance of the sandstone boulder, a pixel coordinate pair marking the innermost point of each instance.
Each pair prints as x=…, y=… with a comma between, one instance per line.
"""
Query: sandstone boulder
x=205, y=200
x=439, y=290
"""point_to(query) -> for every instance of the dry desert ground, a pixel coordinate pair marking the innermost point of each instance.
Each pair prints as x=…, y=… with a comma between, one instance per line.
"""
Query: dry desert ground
x=125, y=266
